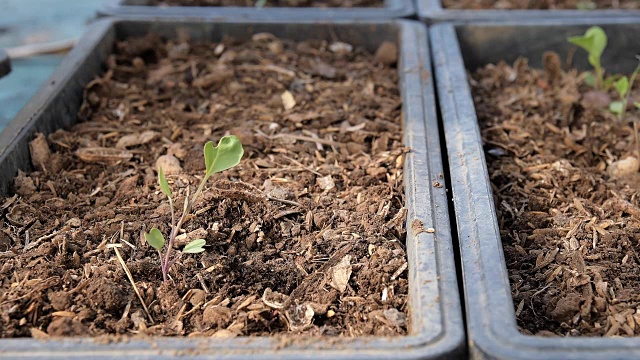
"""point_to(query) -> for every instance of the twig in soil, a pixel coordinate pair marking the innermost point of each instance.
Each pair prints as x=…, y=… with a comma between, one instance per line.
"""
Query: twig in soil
x=128, y=243
x=285, y=201
x=533, y=309
x=46, y=237
x=97, y=249
x=301, y=138
x=269, y=67
x=184, y=306
x=302, y=165
x=202, y=283
x=133, y=283
x=315, y=136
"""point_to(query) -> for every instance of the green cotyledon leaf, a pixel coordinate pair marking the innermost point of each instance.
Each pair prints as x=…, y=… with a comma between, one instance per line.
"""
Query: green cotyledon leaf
x=196, y=246
x=594, y=41
x=155, y=238
x=162, y=180
x=224, y=156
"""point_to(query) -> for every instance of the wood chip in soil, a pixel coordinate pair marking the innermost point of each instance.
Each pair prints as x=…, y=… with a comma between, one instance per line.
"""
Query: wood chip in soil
x=568, y=212
x=271, y=3
x=305, y=236
x=541, y=4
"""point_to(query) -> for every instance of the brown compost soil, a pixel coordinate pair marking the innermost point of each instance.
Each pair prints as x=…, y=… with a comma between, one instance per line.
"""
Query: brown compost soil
x=272, y=3
x=305, y=236
x=569, y=216
x=541, y=4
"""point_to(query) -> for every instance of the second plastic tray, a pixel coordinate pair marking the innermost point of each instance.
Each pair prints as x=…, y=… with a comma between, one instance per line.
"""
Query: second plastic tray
x=137, y=8
x=491, y=321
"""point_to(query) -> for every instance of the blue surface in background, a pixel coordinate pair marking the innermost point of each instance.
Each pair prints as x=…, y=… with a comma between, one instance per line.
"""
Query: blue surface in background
x=36, y=21
x=24, y=80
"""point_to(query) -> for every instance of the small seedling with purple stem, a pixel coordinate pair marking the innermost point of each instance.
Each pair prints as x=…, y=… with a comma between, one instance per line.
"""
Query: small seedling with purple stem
x=216, y=158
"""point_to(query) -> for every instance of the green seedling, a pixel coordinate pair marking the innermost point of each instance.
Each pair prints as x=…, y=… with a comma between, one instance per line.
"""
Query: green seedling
x=594, y=41
x=586, y=5
x=618, y=107
x=623, y=86
x=216, y=158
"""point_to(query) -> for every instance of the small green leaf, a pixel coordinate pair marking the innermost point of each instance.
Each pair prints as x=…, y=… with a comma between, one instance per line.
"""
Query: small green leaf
x=586, y=5
x=196, y=246
x=594, y=41
x=164, y=185
x=224, y=156
x=622, y=86
x=589, y=79
x=155, y=238
x=637, y=105
x=616, y=107
x=610, y=80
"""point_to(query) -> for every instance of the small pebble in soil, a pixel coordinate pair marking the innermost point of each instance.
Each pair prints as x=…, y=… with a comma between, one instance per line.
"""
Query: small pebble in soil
x=627, y=166
x=170, y=164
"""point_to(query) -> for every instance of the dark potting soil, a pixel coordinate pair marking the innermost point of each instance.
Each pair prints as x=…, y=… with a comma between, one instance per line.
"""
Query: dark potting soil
x=272, y=3
x=541, y=4
x=566, y=188
x=306, y=235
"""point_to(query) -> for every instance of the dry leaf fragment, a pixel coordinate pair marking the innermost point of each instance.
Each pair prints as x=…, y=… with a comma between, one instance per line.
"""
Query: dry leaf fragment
x=136, y=139
x=341, y=273
x=287, y=100
x=395, y=317
x=39, y=334
x=323, y=69
x=156, y=75
x=22, y=215
x=139, y=321
x=40, y=152
x=224, y=334
x=101, y=154
x=63, y=314
x=326, y=182
x=219, y=75
x=245, y=303
x=299, y=316
x=387, y=53
x=274, y=299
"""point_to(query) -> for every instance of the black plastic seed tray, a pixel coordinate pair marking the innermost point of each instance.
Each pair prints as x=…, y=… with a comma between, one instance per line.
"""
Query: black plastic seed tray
x=491, y=319
x=137, y=8
x=436, y=326
x=432, y=11
x=5, y=63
